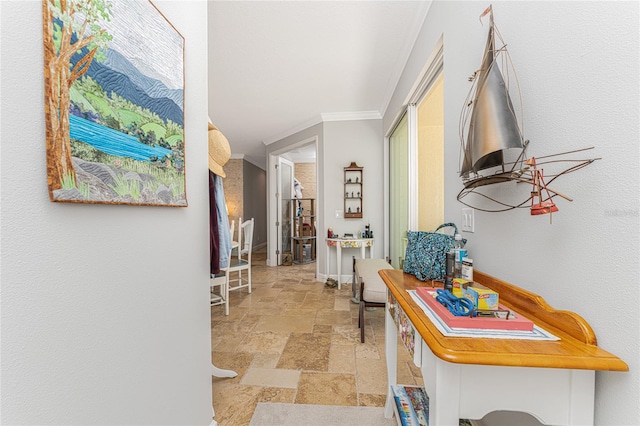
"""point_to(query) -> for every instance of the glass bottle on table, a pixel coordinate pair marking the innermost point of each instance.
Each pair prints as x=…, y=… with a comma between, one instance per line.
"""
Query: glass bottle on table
x=459, y=254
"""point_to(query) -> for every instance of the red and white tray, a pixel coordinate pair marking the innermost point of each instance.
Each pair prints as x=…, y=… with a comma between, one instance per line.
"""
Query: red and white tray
x=514, y=322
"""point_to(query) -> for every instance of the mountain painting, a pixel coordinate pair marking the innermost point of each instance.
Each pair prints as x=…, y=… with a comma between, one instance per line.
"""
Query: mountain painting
x=114, y=95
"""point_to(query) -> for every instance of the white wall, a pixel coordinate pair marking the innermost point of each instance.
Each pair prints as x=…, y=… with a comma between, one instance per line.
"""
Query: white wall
x=105, y=314
x=578, y=68
x=360, y=141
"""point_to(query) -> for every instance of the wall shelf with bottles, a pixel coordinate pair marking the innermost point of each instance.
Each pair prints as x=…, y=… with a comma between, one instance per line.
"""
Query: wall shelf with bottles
x=353, y=191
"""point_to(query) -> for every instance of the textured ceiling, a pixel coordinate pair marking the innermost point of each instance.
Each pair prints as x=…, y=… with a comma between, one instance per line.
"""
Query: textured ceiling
x=276, y=66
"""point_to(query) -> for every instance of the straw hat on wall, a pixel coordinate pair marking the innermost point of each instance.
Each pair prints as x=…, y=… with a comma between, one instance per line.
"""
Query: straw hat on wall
x=219, y=150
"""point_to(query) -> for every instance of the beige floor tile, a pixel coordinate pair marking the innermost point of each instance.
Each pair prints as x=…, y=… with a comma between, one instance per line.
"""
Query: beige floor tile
x=371, y=400
x=264, y=342
x=222, y=343
x=333, y=317
x=285, y=324
x=327, y=389
x=265, y=360
x=277, y=395
x=322, y=328
x=268, y=308
x=296, y=310
x=306, y=351
x=290, y=296
x=345, y=335
x=341, y=359
x=234, y=404
x=322, y=292
x=342, y=304
x=405, y=376
x=240, y=325
x=367, y=351
x=369, y=377
x=239, y=363
x=235, y=313
x=227, y=335
x=263, y=293
x=271, y=377
x=317, y=304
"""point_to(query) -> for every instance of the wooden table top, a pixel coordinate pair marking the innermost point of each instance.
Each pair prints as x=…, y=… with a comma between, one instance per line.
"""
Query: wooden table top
x=576, y=349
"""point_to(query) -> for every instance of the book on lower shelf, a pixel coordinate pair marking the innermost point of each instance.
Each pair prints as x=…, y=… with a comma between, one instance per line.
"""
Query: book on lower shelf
x=412, y=405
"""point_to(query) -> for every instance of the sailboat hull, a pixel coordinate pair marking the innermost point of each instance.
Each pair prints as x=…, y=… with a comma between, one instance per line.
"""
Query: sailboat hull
x=509, y=176
x=544, y=207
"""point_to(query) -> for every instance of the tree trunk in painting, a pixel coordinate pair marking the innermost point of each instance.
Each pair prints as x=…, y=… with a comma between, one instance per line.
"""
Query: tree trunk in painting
x=58, y=77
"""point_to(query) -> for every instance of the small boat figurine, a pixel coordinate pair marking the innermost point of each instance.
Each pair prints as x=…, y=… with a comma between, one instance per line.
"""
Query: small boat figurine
x=543, y=206
x=493, y=148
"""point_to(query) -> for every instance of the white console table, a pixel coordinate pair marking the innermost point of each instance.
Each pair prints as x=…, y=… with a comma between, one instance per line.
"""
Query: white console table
x=554, y=381
x=346, y=243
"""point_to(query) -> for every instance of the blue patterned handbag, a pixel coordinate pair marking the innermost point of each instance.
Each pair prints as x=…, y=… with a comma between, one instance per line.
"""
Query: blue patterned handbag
x=426, y=254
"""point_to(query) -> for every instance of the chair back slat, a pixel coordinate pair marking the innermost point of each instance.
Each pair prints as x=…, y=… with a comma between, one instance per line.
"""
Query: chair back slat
x=247, y=231
x=232, y=227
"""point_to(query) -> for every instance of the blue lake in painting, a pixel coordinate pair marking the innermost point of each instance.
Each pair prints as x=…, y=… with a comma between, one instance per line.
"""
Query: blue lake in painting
x=112, y=141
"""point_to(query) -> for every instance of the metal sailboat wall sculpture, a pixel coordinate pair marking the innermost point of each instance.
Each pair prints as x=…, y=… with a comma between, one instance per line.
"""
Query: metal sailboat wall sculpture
x=493, y=148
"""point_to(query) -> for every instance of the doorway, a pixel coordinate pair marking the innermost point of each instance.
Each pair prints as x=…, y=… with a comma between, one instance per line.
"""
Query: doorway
x=295, y=163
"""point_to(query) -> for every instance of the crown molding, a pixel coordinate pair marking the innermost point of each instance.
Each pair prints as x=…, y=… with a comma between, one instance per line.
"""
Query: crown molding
x=350, y=116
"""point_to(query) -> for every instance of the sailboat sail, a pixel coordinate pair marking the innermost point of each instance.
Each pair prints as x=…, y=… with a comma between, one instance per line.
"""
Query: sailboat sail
x=493, y=127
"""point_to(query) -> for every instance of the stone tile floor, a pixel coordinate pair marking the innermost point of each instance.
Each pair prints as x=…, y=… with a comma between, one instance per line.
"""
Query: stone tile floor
x=295, y=340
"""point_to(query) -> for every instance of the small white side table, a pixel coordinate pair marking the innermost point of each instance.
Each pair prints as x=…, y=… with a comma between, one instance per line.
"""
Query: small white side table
x=340, y=243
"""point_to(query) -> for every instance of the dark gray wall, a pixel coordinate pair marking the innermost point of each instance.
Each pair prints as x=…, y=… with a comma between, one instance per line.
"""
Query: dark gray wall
x=255, y=200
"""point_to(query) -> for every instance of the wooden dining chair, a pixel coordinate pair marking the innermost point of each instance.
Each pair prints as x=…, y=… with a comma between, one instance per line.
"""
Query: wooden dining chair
x=221, y=280
x=232, y=228
x=243, y=261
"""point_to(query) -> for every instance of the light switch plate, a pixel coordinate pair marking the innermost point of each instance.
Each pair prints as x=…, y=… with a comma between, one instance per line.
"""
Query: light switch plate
x=468, y=221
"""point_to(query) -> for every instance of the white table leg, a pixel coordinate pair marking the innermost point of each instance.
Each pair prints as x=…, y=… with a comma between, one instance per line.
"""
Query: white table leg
x=581, y=406
x=339, y=260
x=326, y=267
x=391, y=352
x=442, y=383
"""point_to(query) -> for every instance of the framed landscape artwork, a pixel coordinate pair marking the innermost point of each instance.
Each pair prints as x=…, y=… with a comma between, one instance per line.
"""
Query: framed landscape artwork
x=114, y=92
